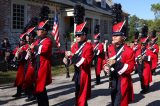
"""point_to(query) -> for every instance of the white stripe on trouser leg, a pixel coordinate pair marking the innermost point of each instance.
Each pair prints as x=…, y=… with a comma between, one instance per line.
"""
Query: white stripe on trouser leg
x=80, y=62
x=40, y=49
x=123, y=69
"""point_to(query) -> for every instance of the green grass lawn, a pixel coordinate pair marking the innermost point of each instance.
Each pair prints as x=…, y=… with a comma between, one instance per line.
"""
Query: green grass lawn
x=9, y=76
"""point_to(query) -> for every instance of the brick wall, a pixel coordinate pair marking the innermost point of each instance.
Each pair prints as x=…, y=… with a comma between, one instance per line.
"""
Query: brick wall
x=5, y=21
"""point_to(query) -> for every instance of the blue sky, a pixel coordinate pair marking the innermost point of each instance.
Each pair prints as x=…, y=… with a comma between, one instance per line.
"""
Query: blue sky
x=140, y=8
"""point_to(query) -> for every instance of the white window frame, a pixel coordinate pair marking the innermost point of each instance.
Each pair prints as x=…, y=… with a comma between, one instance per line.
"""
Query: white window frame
x=17, y=2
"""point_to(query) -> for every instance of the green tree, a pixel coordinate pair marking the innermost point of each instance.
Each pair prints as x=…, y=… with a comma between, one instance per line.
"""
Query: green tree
x=133, y=24
x=156, y=9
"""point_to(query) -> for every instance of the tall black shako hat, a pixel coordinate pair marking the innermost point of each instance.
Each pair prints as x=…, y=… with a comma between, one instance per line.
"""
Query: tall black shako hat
x=31, y=26
x=154, y=38
x=43, y=21
x=118, y=28
x=144, y=31
x=79, y=12
x=136, y=35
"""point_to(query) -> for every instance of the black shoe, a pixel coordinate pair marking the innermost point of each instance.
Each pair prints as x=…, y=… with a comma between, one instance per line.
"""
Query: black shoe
x=30, y=98
x=23, y=94
x=135, y=72
x=16, y=95
x=143, y=91
x=98, y=82
x=154, y=73
x=67, y=76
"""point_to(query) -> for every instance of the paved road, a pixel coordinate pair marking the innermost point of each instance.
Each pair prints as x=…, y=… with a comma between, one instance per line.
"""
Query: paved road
x=61, y=93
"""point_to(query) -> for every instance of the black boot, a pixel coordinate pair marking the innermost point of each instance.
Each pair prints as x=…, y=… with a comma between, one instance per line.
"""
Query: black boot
x=19, y=91
x=145, y=89
x=67, y=71
x=67, y=75
x=30, y=94
x=97, y=79
x=105, y=73
x=30, y=98
x=153, y=72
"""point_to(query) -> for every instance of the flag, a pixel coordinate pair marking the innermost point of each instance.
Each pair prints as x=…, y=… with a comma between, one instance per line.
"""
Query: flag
x=55, y=30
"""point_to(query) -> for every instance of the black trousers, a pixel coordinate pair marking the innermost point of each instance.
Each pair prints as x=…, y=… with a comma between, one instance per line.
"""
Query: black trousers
x=115, y=93
x=42, y=98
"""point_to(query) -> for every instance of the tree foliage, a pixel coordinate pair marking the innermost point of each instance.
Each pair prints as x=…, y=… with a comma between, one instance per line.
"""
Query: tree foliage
x=156, y=9
x=154, y=25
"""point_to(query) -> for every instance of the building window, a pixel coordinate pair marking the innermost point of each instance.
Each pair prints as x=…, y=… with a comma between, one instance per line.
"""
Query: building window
x=89, y=25
x=18, y=16
x=90, y=1
x=103, y=3
x=105, y=27
x=109, y=27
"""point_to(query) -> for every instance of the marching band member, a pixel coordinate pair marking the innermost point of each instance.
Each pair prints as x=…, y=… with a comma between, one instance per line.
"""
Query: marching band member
x=136, y=47
x=20, y=53
x=43, y=54
x=143, y=60
x=153, y=46
x=81, y=56
x=43, y=51
x=120, y=65
x=98, y=56
x=29, y=79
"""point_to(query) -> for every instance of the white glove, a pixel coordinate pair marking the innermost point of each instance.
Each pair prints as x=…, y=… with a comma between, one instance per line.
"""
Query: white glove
x=65, y=60
x=106, y=68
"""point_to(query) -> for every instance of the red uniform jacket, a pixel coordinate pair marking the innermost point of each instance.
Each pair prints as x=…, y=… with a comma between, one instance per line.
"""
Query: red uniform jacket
x=147, y=75
x=124, y=73
x=155, y=49
x=30, y=75
x=43, y=64
x=21, y=66
x=99, y=56
x=84, y=64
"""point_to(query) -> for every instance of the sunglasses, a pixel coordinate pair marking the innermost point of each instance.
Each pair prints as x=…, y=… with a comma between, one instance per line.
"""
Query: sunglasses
x=143, y=44
x=78, y=35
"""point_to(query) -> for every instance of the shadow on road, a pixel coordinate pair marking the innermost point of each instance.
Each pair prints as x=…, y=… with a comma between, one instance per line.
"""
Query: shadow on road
x=69, y=102
x=100, y=92
x=60, y=87
x=66, y=92
x=155, y=87
x=154, y=103
x=2, y=103
x=6, y=86
x=30, y=103
x=138, y=97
